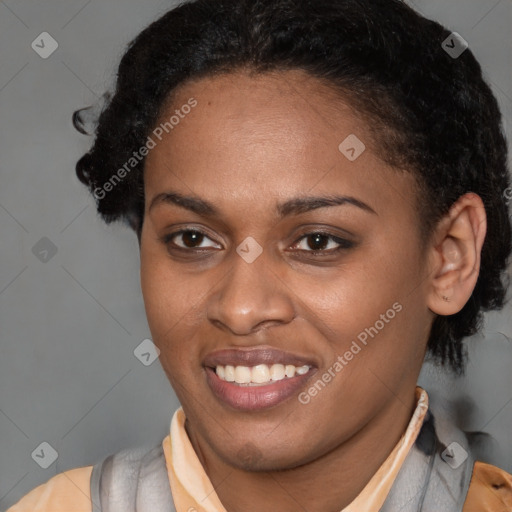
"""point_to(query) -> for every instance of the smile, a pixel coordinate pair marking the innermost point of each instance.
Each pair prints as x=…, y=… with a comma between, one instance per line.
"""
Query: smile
x=259, y=374
x=256, y=378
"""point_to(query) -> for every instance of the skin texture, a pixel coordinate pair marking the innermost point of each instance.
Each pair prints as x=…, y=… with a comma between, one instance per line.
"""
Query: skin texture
x=251, y=142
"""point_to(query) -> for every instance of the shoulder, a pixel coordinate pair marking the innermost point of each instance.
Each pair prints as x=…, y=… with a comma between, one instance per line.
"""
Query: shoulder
x=65, y=492
x=490, y=489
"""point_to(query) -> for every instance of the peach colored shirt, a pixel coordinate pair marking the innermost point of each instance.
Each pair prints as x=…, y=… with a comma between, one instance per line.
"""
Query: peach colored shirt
x=490, y=489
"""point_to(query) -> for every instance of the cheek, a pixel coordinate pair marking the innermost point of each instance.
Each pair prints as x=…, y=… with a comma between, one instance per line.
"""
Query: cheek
x=168, y=296
x=377, y=307
x=157, y=290
x=167, y=312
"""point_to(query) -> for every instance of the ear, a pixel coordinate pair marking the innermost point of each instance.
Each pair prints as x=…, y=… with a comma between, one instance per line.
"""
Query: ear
x=455, y=253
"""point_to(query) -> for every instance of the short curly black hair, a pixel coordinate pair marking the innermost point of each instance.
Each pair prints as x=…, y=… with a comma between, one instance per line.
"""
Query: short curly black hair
x=430, y=112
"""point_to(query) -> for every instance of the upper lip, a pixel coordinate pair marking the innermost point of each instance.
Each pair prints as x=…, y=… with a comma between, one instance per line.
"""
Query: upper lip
x=253, y=356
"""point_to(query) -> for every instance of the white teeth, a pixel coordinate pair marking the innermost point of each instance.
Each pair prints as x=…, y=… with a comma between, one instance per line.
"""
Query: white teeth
x=289, y=370
x=259, y=374
x=229, y=373
x=242, y=374
x=277, y=372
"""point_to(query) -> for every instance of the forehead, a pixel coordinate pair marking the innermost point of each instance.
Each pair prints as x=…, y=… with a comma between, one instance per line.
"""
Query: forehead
x=254, y=137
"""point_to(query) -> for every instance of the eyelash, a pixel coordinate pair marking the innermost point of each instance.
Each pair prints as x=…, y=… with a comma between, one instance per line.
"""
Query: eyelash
x=343, y=243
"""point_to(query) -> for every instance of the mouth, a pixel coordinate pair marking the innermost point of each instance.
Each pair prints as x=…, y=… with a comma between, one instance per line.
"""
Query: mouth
x=255, y=379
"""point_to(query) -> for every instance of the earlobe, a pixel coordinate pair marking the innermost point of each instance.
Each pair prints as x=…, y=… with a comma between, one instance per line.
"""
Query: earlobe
x=457, y=255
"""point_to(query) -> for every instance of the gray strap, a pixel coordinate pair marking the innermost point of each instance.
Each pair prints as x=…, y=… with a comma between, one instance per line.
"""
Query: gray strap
x=154, y=493
x=132, y=480
x=409, y=487
x=449, y=484
x=95, y=487
x=425, y=482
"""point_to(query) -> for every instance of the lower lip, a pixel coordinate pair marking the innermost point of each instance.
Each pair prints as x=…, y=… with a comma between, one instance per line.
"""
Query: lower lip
x=252, y=398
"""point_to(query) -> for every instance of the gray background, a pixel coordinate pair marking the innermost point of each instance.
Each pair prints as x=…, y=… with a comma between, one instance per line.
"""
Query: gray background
x=68, y=327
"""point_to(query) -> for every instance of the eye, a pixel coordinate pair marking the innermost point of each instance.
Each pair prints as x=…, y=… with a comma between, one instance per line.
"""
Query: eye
x=191, y=239
x=314, y=242
x=318, y=242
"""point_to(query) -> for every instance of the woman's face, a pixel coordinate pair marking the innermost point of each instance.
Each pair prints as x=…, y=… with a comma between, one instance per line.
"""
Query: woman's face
x=259, y=289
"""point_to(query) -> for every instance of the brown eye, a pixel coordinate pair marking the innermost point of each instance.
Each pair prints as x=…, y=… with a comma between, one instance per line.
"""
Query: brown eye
x=318, y=242
x=190, y=239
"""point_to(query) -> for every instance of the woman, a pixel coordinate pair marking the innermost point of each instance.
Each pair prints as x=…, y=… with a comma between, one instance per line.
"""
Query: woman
x=318, y=193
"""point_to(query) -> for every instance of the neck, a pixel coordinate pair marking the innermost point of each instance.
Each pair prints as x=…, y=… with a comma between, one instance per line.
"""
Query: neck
x=326, y=484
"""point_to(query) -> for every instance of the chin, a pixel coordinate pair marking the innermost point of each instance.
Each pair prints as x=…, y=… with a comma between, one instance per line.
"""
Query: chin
x=251, y=458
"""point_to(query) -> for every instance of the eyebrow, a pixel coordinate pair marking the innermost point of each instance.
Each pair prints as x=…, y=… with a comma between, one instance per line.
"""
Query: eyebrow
x=289, y=207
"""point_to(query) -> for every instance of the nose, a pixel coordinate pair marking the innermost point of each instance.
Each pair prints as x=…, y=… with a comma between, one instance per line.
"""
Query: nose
x=252, y=296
